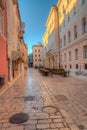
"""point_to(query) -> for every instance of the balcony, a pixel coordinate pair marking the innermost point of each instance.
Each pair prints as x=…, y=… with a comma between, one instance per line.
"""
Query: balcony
x=2, y=5
x=21, y=30
x=17, y=56
x=14, y=1
x=50, y=52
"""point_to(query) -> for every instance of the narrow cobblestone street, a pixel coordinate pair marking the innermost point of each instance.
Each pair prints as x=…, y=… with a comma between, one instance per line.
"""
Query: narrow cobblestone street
x=52, y=103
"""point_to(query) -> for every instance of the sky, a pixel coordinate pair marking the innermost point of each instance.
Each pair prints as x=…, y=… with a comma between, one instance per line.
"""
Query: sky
x=34, y=14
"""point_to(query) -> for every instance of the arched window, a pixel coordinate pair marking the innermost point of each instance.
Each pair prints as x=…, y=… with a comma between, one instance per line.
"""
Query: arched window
x=68, y=17
x=64, y=40
x=60, y=43
x=75, y=32
x=69, y=36
x=1, y=22
x=74, y=10
x=84, y=25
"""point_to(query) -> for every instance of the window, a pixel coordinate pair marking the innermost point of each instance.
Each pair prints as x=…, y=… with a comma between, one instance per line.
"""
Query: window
x=61, y=58
x=35, y=55
x=65, y=66
x=75, y=32
x=70, y=66
x=64, y=40
x=83, y=1
x=76, y=54
x=39, y=59
x=60, y=43
x=64, y=23
x=35, y=59
x=85, y=66
x=84, y=25
x=60, y=29
x=74, y=10
x=69, y=37
x=39, y=55
x=85, y=51
x=65, y=57
x=1, y=23
x=39, y=50
x=63, y=10
x=35, y=50
x=67, y=2
x=76, y=66
x=68, y=18
x=70, y=56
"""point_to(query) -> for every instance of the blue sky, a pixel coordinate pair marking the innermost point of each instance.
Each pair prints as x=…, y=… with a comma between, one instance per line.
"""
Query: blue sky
x=34, y=13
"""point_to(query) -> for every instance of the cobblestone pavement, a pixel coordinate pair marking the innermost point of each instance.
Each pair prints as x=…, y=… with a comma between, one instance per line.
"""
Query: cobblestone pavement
x=52, y=103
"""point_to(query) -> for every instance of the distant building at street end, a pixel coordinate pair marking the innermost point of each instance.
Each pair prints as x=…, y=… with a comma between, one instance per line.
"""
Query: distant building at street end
x=38, y=55
x=30, y=60
x=3, y=44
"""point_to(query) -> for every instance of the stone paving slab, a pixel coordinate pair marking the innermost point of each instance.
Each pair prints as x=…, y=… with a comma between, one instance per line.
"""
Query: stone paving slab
x=44, y=89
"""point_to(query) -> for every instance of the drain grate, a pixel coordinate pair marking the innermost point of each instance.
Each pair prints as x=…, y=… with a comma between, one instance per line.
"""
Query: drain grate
x=61, y=98
x=50, y=109
x=19, y=118
x=29, y=98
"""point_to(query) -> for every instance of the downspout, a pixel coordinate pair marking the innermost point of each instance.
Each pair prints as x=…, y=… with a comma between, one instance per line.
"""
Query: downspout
x=58, y=41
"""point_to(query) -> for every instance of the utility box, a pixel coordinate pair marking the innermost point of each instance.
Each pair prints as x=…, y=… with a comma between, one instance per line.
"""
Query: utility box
x=2, y=80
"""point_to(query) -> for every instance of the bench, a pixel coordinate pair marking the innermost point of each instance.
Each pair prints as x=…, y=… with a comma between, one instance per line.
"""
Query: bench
x=61, y=72
x=44, y=72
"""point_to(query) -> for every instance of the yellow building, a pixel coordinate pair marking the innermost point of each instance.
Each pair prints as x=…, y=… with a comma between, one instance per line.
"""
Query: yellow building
x=50, y=39
x=67, y=22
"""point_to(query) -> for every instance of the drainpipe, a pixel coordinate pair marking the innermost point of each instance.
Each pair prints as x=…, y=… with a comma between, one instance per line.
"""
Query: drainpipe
x=58, y=40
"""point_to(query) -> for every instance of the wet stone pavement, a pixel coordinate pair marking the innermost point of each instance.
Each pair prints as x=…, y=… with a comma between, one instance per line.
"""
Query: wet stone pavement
x=38, y=102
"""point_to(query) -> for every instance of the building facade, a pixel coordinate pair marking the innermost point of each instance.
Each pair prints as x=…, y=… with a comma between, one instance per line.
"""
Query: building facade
x=38, y=55
x=30, y=60
x=50, y=39
x=72, y=35
x=17, y=50
x=3, y=44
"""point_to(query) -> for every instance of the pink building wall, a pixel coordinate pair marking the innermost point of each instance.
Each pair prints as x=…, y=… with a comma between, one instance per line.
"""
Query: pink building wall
x=3, y=45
